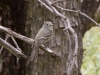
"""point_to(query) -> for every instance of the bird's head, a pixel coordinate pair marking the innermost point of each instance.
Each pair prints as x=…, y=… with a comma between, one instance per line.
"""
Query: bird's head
x=48, y=25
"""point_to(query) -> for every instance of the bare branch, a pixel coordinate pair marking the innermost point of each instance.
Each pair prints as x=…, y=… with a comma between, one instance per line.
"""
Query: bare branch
x=54, y=9
x=19, y=36
x=16, y=43
x=12, y=49
x=48, y=50
x=76, y=43
x=46, y=6
x=89, y=18
x=69, y=28
x=7, y=36
x=75, y=35
x=69, y=10
x=51, y=8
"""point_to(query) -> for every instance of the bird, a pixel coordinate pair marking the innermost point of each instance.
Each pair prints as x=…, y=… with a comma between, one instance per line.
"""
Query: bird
x=43, y=35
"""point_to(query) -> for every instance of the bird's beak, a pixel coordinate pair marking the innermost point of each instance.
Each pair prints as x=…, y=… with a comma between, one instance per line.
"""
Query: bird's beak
x=51, y=24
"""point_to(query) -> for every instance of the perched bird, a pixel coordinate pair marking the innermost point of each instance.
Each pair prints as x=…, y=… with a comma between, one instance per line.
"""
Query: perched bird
x=41, y=37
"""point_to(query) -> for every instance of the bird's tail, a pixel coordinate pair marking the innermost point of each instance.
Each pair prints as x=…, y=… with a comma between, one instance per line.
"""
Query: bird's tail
x=32, y=54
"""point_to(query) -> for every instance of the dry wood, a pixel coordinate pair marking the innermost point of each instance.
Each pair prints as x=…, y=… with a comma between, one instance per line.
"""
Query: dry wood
x=19, y=36
x=15, y=51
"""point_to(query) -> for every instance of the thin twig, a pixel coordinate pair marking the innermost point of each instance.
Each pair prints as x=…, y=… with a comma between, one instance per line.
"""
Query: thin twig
x=75, y=35
x=69, y=10
x=16, y=46
x=19, y=36
x=16, y=43
x=76, y=44
x=7, y=36
x=75, y=38
x=89, y=18
x=46, y=6
x=54, y=9
x=13, y=50
x=48, y=50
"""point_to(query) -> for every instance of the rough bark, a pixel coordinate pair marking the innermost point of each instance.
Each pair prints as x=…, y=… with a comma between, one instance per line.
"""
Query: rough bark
x=46, y=64
x=15, y=17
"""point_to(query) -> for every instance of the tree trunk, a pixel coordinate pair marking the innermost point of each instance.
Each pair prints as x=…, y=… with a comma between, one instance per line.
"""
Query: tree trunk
x=16, y=17
x=46, y=64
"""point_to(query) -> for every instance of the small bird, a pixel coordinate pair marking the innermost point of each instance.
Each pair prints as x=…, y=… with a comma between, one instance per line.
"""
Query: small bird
x=43, y=35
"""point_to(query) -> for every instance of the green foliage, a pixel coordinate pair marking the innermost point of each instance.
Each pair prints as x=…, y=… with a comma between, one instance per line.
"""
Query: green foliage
x=91, y=60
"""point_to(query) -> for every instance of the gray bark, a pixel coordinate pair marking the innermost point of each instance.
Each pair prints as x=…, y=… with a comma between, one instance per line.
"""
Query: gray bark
x=16, y=17
x=45, y=64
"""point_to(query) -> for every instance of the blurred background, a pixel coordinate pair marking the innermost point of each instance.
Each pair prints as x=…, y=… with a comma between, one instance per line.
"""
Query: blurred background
x=91, y=57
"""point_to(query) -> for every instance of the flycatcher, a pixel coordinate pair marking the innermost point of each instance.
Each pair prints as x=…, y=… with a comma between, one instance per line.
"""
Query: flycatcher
x=43, y=35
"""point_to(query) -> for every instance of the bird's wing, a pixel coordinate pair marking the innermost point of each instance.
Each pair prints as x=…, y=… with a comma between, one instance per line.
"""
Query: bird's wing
x=38, y=43
x=44, y=39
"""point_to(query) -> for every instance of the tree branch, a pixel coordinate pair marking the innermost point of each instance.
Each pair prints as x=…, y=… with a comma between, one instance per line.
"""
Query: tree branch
x=15, y=51
x=81, y=13
x=48, y=50
x=16, y=43
x=19, y=36
x=46, y=6
x=54, y=9
x=66, y=20
x=7, y=36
